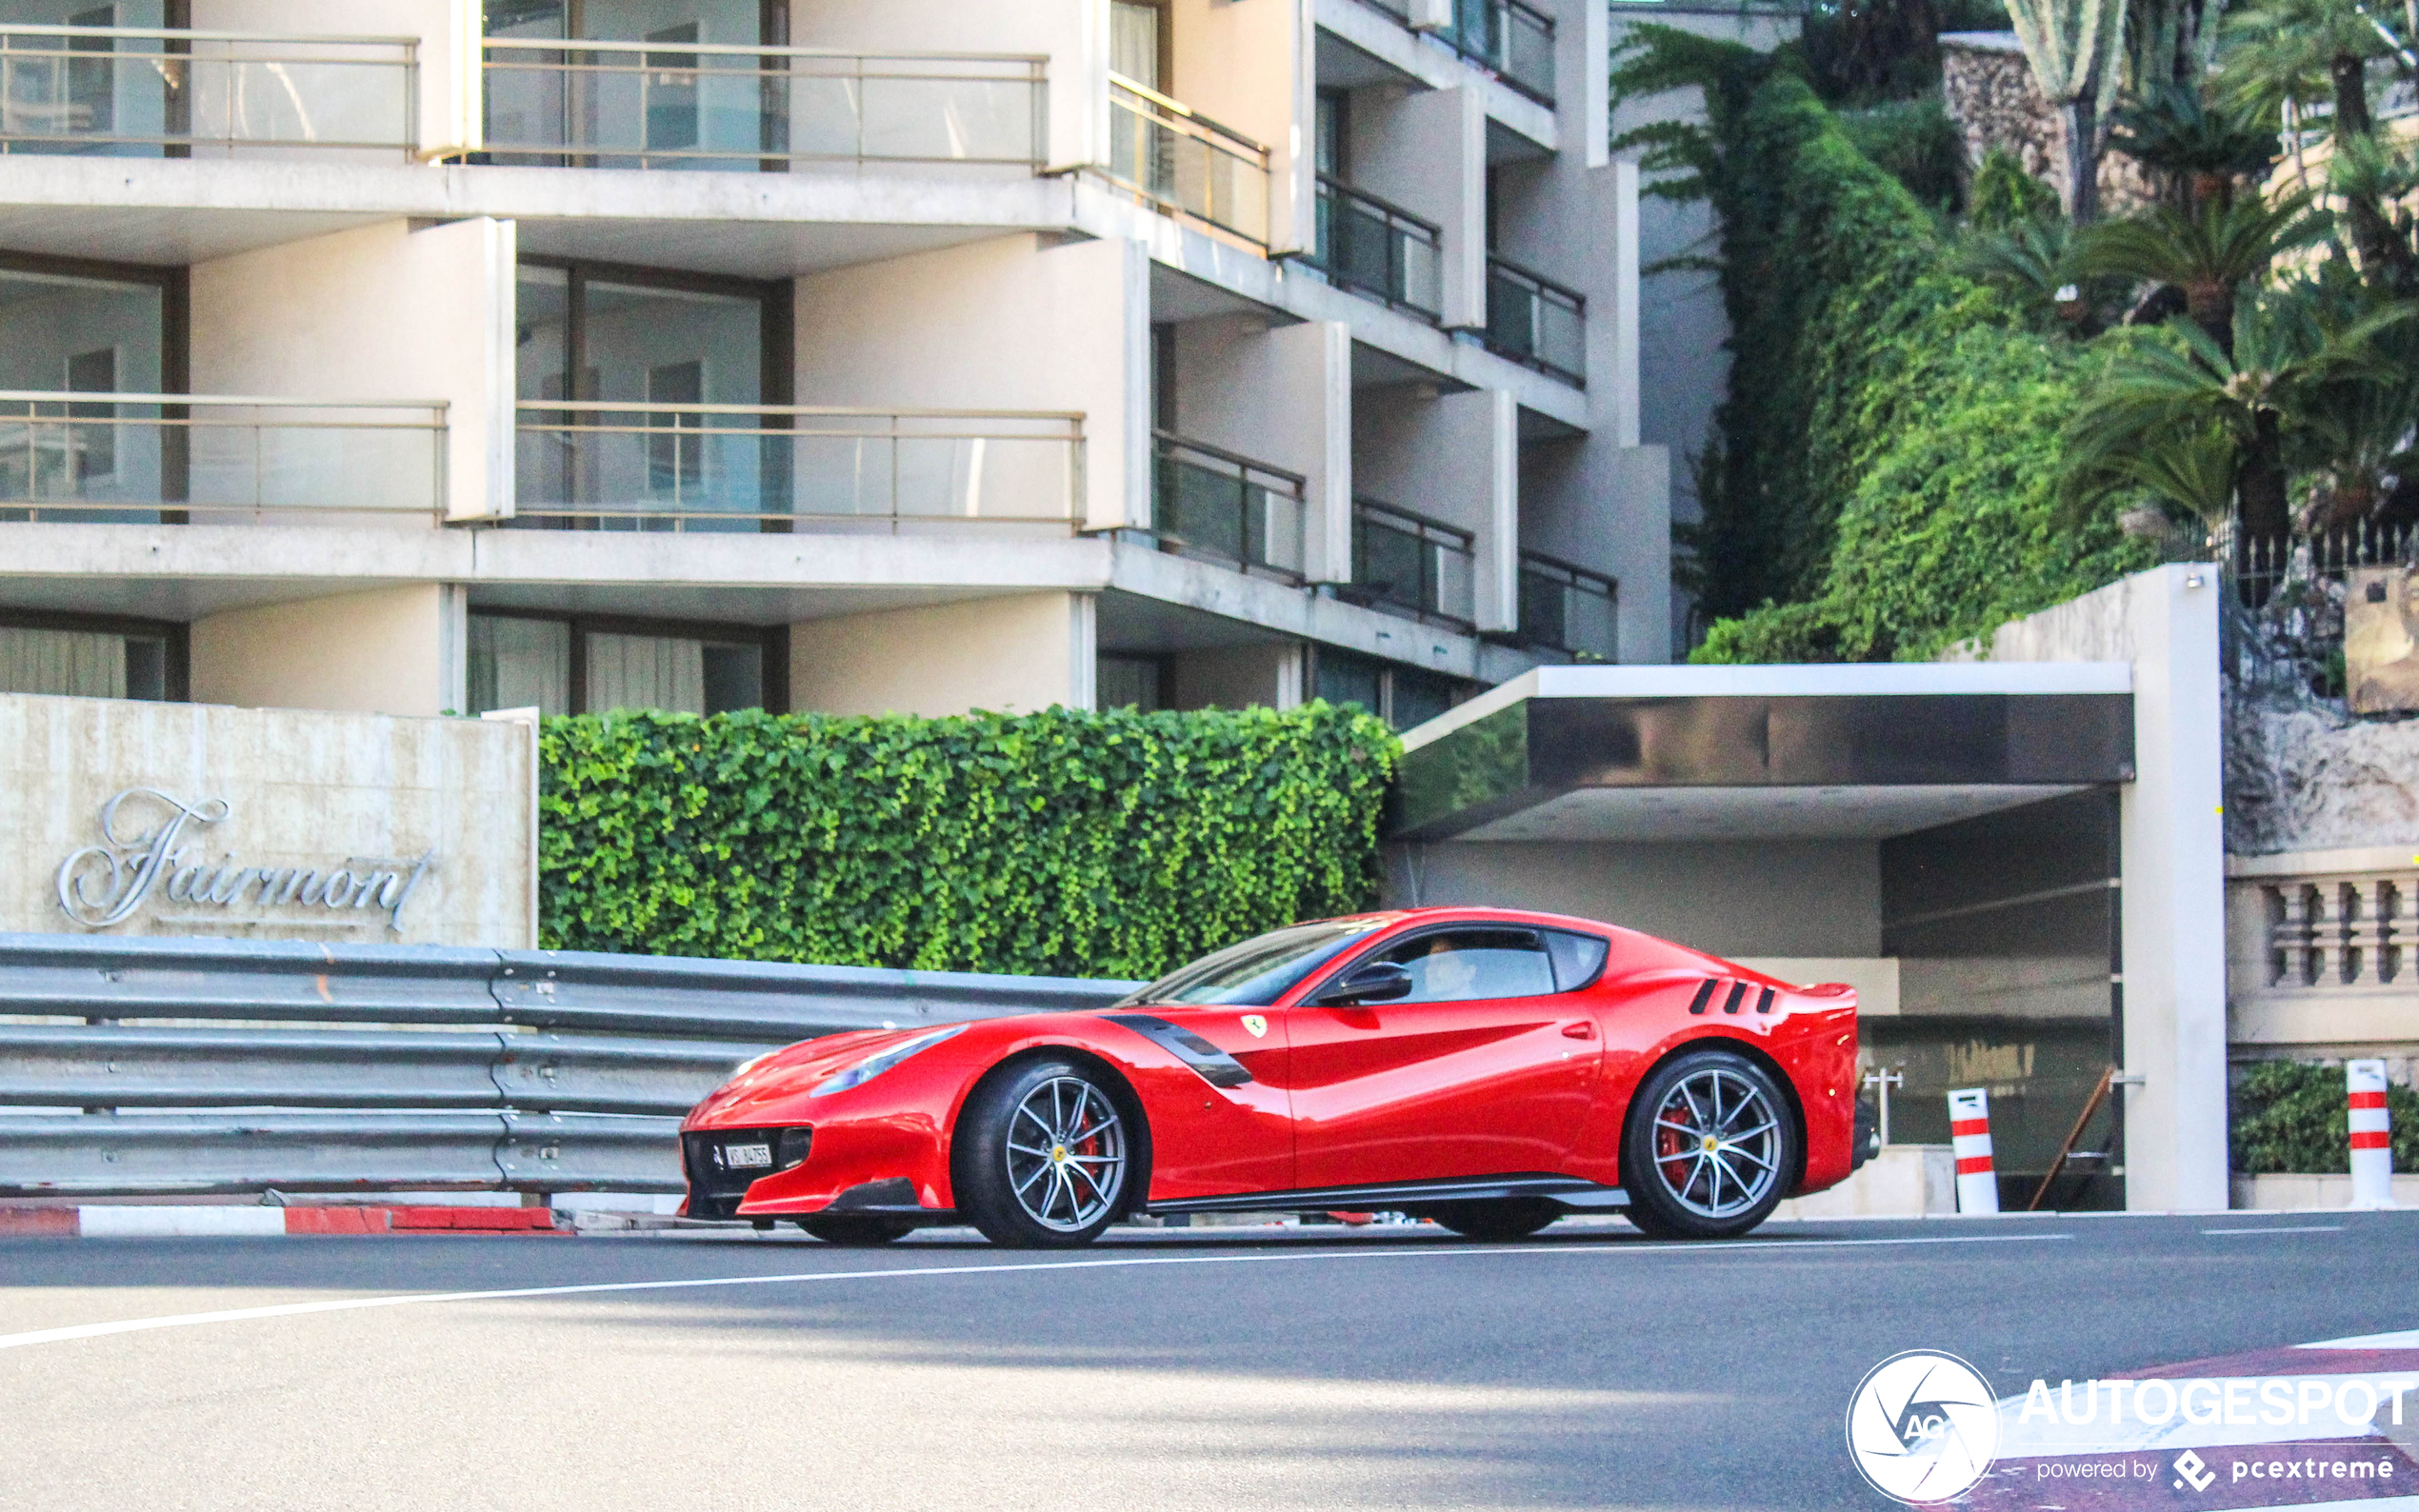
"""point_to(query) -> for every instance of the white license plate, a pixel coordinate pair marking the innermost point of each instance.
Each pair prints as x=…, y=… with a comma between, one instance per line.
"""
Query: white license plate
x=746, y=1157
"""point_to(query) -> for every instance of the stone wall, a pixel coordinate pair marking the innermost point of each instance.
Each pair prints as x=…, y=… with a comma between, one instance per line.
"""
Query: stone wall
x=266, y=823
x=1990, y=93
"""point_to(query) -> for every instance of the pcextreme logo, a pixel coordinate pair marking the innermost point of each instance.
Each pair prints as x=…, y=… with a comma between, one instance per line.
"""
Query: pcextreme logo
x=2192, y=1469
x=1923, y=1427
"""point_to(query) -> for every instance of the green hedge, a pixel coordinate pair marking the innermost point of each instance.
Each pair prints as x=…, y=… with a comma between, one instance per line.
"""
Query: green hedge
x=2290, y=1117
x=1109, y=845
x=1880, y=483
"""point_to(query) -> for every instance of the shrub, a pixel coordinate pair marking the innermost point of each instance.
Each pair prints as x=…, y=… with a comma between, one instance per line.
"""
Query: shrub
x=2288, y=1117
x=1109, y=844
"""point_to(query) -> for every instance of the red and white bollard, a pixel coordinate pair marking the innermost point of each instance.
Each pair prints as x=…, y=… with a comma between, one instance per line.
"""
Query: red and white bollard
x=2372, y=1154
x=1970, y=1135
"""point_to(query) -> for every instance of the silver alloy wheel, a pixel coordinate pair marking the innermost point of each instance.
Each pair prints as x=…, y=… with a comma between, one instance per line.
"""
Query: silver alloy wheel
x=1066, y=1154
x=1717, y=1144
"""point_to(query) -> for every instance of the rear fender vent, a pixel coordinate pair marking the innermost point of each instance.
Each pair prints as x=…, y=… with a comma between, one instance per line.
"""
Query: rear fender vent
x=1738, y=995
x=1705, y=995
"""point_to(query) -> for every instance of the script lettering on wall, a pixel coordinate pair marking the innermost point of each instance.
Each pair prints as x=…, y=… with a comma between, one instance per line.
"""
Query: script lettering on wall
x=103, y=884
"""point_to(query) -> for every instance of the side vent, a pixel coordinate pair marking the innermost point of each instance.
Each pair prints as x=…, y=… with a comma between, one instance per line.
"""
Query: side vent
x=1738, y=995
x=1764, y=1003
x=1705, y=995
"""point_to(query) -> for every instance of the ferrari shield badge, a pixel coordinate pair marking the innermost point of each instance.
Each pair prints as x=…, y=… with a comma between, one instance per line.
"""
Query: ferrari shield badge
x=1258, y=1026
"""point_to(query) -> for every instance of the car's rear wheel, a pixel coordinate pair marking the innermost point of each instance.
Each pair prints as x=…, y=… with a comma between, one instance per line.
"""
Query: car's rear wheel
x=1710, y=1146
x=856, y=1232
x=1503, y=1219
x=1044, y=1155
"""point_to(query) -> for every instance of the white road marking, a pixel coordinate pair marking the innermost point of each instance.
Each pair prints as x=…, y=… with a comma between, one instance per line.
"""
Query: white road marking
x=296, y=1309
x=2283, y=1228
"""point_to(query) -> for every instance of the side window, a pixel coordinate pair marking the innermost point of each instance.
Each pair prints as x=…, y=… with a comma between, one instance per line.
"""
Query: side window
x=1579, y=959
x=1459, y=965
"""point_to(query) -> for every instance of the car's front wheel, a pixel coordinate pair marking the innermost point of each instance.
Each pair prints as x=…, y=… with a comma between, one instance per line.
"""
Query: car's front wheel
x=1044, y=1155
x=1709, y=1147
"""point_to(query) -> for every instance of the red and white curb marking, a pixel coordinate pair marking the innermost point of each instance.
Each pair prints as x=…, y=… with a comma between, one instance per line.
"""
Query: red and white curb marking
x=220, y=1221
x=1970, y=1133
x=2372, y=1154
x=2327, y=1424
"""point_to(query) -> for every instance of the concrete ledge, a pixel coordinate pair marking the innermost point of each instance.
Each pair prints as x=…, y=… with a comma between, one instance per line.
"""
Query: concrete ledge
x=1904, y=1181
x=2314, y=1193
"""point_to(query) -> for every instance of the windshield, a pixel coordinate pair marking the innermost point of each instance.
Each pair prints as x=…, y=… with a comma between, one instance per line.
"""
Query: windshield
x=1259, y=970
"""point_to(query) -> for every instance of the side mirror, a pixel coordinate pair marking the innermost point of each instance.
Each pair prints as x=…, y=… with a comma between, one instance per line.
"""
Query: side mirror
x=1378, y=982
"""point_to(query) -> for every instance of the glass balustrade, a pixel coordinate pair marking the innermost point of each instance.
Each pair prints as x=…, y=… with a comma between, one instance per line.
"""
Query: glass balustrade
x=115, y=91
x=1216, y=505
x=706, y=467
x=155, y=459
x=1513, y=40
x=1406, y=562
x=1533, y=320
x=1165, y=153
x=1372, y=247
x=591, y=104
x=1568, y=609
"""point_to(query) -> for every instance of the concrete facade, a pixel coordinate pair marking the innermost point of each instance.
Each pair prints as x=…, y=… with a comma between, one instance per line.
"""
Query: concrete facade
x=957, y=377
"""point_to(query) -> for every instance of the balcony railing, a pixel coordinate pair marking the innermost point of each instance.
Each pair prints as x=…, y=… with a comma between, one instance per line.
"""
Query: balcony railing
x=118, y=92
x=171, y=459
x=1379, y=249
x=1420, y=566
x=1508, y=38
x=1216, y=505
x=689, y=104
x=1184, y=162
x=1568, y=609
x=1531, y=319
x=705, y=468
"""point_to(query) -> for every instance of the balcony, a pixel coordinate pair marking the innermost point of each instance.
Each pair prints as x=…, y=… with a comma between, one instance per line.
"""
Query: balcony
x=175, y=459
x=1412, y=565
x=643, y=104
x=615, y=465
x=1215, y=506
x=1533, y=320
x=116, y=92
x=1169, y=157
x=1379, y=249
x=1507, y=38
x=1568, y=609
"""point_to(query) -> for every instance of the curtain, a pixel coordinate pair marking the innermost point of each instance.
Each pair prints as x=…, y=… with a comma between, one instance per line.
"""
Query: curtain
x=1133, y=42
x=520, y=664
x=71, y=663
x=646, y=671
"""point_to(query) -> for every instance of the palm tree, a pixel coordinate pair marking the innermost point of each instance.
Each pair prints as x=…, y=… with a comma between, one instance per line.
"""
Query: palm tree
x=2283, y=367
x=2198, y=151
x=2208, y=255
x=2073, y=47
x=2193, y=467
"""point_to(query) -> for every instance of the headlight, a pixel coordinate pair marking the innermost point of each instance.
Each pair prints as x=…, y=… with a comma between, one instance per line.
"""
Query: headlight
x=873, y=1066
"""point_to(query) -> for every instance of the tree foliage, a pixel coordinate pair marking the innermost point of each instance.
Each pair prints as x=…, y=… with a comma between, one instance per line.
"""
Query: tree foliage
x=1111, y=845
x=2290, y=1117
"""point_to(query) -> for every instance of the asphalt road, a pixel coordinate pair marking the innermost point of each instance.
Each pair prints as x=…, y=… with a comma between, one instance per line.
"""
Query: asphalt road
x=1223, y=1368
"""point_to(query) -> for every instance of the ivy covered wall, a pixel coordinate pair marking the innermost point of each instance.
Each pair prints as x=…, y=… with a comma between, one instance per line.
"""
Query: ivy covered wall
x=1107, y=844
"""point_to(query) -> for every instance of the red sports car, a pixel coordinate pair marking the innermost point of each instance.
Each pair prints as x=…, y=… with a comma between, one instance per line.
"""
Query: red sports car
x=1491, y=1069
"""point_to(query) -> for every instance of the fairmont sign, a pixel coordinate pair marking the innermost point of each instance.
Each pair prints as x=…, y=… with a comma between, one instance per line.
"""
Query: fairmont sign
x=153, y=850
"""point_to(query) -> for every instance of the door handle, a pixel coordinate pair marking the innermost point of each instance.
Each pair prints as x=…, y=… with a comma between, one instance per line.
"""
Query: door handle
x=1582, y=1030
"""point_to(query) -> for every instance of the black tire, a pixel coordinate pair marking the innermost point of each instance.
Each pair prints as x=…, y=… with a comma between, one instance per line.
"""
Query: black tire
x=1497, y=1220
x=1046, y=1155
x=1724, y=1157
x=856, y=1232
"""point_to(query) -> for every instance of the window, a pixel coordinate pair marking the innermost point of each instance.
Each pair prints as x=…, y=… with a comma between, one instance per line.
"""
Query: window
x=1138, y=41
x=1131, y=682
x=1462, y=966
x=95, y=447
x=671, y=91
x=570, y=665
x=1403, y=696
x=1334, y=107
x=79, y=656
x=1579, y=959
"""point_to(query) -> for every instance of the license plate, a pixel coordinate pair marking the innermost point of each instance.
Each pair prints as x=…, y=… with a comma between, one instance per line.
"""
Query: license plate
x=746, y=1157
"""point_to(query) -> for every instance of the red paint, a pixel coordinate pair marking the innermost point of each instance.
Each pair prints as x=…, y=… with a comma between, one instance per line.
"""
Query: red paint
x=1960, y=1129
x=2374, y=1139
x=2361, y=1100
x=1387, y=1092
x=1973, y=1165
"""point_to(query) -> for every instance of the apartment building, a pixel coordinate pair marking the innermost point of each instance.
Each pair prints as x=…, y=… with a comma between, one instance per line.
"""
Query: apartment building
x=413, y=357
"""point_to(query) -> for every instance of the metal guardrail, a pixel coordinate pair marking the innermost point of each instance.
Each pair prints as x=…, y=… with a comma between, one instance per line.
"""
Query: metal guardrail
x=194, y=1067
x=1167, y=154
x=1375, y=247
x=1220, y=505
x=1533, y=320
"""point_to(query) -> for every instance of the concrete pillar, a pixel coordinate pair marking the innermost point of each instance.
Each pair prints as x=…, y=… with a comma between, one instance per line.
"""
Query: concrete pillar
x=388, y=651
x=2173, y=917
x=1016, y=654
x=1426, y=151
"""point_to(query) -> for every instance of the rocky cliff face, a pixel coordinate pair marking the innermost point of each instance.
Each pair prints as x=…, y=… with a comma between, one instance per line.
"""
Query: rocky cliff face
x=1990, y=93
x=2302, y=773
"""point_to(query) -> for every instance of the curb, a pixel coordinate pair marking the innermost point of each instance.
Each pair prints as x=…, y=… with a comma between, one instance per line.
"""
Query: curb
x=217, y=1222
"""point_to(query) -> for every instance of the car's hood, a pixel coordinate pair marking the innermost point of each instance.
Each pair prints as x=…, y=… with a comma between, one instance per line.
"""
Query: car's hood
x=798, y=1068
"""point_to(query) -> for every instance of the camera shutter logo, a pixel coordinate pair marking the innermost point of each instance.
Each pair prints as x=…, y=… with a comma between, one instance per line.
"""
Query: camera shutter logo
x=1923, y=1427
